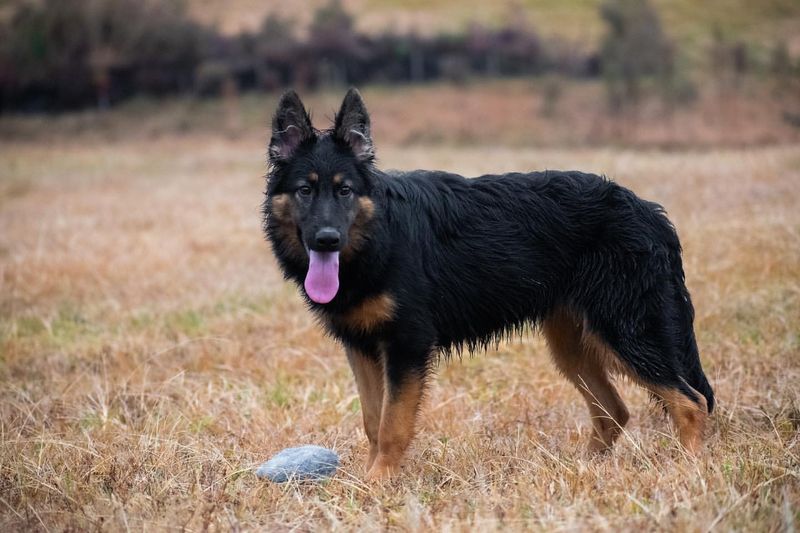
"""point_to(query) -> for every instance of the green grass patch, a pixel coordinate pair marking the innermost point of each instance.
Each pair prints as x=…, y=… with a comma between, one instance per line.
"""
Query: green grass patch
x=72, y=326
x=278, y=394
x=189, y=322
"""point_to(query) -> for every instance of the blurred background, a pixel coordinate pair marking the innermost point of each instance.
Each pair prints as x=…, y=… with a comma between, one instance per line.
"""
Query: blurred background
x=151, y=352
x=653, y=72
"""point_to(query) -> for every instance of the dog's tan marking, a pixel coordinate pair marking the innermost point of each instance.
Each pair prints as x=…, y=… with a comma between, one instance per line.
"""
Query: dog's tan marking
x=368, y=372
x=366, y=208
x=689, y=416
x=398, y=420
x=313, y=177
x=369, y=314
x=285, y=226
x=358, y=229
x=337, y=179
x=583, y=360
x=281, y=207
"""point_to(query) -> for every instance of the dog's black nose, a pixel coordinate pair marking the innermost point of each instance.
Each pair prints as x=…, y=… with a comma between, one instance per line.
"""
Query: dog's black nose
x=327, y=239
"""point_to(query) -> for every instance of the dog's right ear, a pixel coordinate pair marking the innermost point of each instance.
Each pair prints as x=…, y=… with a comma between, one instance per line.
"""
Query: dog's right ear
x=291, y=127
x=352, y=126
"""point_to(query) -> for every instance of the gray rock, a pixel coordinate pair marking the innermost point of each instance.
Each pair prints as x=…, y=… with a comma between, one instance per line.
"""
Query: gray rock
x=312, y=463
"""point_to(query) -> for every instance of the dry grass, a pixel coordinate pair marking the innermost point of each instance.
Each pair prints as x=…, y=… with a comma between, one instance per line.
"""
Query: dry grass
x=151, y=355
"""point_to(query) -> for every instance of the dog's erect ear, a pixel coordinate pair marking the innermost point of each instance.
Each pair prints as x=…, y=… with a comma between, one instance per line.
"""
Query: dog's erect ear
x=352, y=126
x=291, y=127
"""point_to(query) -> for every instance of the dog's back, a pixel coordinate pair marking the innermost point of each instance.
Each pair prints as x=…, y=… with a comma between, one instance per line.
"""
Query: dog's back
x=495, y=252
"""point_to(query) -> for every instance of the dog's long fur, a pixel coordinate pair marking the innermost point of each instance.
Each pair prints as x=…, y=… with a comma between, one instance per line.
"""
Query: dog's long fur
x=432, y=263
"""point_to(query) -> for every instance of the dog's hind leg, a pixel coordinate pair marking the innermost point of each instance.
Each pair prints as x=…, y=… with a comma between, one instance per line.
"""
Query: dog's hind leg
x=688, y=415
x=583, y=364
x=652, y=359
x=368, y=371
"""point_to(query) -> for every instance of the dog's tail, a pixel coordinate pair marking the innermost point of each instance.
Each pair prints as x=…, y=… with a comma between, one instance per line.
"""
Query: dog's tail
x=690, y=357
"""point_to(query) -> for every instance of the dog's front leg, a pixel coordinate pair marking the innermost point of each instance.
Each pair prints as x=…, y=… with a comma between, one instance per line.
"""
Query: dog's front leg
x=403, y=387
x=368, y=371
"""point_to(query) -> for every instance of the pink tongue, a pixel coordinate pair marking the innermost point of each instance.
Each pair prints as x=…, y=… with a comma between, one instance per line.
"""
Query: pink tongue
x=322, y=280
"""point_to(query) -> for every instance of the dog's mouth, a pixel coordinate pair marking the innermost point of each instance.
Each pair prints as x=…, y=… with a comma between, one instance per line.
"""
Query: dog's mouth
x=322, y=279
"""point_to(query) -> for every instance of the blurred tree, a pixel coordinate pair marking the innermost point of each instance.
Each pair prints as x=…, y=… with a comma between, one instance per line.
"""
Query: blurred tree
x=551, y=91
x=277, y=52
x=333, y=39
x=780, y=62
x=64, y=52
x=785, y=74
x=731, y=61
x=635, y=47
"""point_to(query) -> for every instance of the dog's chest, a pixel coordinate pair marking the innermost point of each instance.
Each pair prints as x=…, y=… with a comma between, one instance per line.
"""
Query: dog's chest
x=368, y=317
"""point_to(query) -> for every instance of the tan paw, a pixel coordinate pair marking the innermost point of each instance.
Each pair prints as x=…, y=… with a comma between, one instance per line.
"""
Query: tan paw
x=382, y=470
x=373, y=453
x=598, y=446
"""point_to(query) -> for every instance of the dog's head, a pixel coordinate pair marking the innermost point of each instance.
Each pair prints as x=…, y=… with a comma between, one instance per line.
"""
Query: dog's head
x=318, y=189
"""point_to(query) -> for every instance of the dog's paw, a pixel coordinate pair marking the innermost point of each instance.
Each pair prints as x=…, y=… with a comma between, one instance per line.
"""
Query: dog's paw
x=597, y=446
x=382, y=470
x=373, y=454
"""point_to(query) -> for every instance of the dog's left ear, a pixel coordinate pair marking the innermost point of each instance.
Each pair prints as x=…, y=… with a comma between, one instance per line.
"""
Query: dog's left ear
x=352, y=126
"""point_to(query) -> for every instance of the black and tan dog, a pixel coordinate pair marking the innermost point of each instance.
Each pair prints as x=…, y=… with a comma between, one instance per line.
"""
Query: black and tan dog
x=405, y=267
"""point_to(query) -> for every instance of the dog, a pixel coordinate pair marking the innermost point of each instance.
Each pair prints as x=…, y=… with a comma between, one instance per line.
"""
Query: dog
x=407, y=267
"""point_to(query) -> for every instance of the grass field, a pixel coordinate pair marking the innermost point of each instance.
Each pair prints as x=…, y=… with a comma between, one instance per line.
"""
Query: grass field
x=151, y=354
x=510, y=112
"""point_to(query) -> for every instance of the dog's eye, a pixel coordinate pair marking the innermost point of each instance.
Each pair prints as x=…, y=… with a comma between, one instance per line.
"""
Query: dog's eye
x=305, y=190
x=345, y=190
